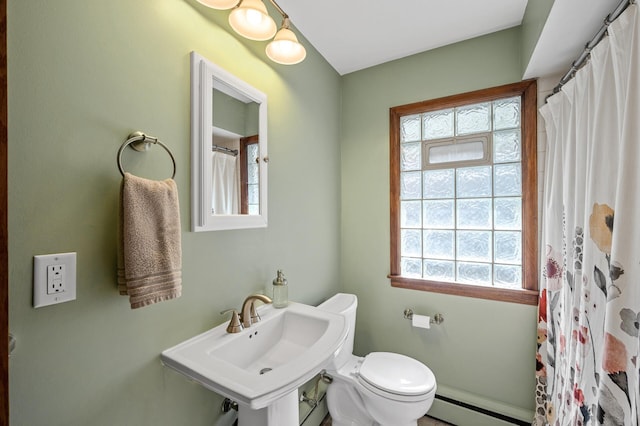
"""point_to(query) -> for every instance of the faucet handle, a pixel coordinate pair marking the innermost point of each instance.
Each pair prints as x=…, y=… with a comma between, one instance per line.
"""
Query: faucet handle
x=235, y=325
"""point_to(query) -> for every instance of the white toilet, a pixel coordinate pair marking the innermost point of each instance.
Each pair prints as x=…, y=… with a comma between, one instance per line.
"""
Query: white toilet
x=380, y=389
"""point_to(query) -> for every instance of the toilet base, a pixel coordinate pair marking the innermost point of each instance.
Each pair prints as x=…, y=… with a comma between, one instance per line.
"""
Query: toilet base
x=351, y=404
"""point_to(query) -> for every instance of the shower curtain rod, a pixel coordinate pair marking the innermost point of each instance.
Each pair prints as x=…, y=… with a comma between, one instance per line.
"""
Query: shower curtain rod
x=224, y=149
x=578, y=63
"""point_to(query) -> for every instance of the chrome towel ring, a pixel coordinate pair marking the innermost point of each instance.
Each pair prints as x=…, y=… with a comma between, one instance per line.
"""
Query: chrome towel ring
x=141, y=142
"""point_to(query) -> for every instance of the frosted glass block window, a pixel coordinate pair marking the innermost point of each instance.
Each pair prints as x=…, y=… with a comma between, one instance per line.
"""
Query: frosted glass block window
x=253, y=180
x=411, y=268
x=438, y=124
x=506, y=113
x=474, y=245
x=506, y=146
x=411, y=243
x=410, y=128
x=411, y=214
x=439, y=214
x=439, y=183
x=460, y=194
x=254, y=209
x=439, y=270
x=507, y=213
x=473, y=182
x=461, y=220
x=473, y=119
x=474, y=213
x=474, y=273
x=252, y=153
x=507, y=276
x=508, y=179
x=508, y=247
x=439, y=244
x=412, y=156
x=411, y=185
x=253, y=173
x=254, y=194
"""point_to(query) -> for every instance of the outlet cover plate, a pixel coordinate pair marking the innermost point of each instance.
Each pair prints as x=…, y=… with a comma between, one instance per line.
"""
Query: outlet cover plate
x=41, y=264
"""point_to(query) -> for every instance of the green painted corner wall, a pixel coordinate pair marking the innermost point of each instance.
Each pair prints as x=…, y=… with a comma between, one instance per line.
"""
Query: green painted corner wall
x=484, y=351
x=535, y=16
x=82, y=76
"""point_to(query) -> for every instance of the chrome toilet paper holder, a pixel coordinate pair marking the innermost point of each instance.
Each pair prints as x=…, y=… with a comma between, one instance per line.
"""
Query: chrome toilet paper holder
x=436, y=319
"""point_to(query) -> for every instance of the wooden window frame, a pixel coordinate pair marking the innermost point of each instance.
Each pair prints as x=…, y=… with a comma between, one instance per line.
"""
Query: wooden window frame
x=527, y=90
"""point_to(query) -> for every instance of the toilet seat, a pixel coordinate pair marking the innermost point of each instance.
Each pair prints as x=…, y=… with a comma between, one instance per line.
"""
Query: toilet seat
x=396, y=376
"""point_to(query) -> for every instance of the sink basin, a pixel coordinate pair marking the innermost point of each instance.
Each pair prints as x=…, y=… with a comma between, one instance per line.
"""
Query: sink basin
x=264, y=362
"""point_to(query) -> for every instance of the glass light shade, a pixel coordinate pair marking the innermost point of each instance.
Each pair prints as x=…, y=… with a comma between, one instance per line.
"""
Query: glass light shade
x=285, y=48
x=219, y=4
x=251, y=20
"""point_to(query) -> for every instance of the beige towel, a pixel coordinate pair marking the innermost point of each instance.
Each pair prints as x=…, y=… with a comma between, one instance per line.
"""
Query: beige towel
x=149, y=241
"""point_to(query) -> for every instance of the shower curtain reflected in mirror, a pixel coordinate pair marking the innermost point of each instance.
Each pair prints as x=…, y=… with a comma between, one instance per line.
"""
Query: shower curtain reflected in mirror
x=225, y=183
x=588, y=360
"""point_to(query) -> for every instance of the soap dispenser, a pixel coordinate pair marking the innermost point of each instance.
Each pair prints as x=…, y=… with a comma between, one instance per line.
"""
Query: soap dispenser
x=280, y=291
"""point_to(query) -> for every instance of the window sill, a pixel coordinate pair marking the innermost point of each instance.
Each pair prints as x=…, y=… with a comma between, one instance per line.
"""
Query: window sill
x=525, y=297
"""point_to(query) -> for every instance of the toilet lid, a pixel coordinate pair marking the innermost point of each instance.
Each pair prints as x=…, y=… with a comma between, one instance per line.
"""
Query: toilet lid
x=397, y=374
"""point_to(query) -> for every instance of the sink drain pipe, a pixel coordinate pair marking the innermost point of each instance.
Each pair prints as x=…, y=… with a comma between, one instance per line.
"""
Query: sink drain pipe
x=315, y=399
x=228, y=405
x=230, y=413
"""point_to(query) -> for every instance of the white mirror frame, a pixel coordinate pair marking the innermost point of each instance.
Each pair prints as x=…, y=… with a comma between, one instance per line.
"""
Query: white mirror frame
x=203, y=74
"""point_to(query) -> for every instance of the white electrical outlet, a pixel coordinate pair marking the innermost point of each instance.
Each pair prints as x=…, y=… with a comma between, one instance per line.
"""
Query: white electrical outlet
x=54, y=279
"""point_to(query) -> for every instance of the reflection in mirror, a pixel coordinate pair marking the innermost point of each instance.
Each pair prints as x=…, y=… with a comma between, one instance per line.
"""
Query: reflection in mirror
x=235, y=120
x=235, y=168
x=225, y=185
x=250, y=173
x=229, y=150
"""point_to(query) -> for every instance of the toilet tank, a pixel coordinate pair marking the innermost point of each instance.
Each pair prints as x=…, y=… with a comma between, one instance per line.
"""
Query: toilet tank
x=344, y=304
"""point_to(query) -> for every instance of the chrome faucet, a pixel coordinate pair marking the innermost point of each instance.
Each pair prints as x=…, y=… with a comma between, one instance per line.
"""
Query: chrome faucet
x=248, y=311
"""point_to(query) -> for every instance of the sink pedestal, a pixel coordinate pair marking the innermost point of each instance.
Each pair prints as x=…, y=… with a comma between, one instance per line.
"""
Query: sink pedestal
x=283, y=412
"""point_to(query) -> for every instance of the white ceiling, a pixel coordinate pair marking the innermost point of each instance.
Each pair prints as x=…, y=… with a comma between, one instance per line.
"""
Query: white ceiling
x=356, y=34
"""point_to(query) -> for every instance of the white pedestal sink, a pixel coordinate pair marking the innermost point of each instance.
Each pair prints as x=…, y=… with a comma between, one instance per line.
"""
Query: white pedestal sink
x=262, y=366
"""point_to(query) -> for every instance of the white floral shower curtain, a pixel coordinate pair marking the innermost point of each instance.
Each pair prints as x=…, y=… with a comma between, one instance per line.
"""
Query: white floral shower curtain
x=588, y=360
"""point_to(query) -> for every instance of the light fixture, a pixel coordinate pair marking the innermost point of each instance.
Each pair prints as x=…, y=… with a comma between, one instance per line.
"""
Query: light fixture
x=250, y=19
x=285, y=48
x=219, y=4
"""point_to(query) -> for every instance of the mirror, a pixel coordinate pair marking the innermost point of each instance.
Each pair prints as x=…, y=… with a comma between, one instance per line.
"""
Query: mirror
x=228, y=148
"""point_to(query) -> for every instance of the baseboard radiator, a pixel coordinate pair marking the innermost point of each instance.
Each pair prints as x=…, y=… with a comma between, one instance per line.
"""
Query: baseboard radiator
x=462, y=414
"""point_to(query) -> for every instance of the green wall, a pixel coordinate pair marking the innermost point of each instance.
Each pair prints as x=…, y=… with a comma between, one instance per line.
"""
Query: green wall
x=234, y=115
x=484, y=352
x=82, y=76
x=229, y=113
